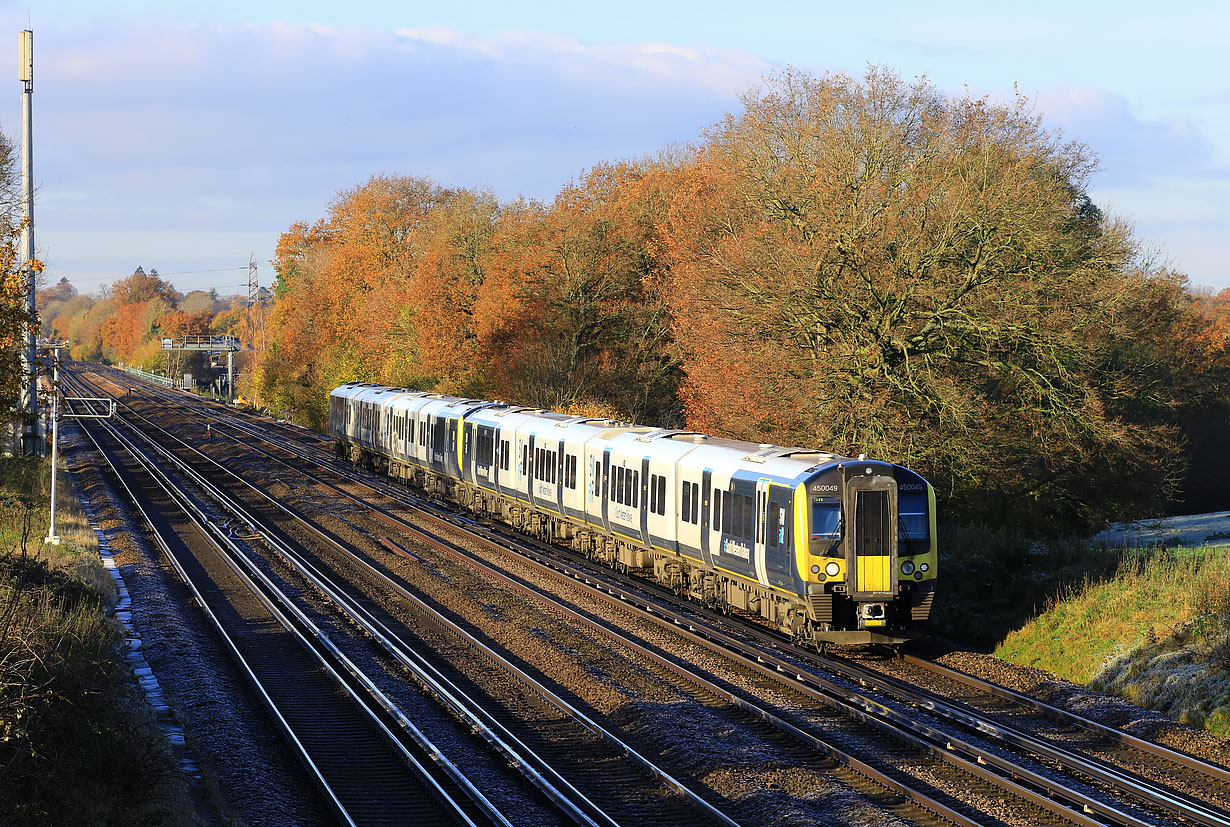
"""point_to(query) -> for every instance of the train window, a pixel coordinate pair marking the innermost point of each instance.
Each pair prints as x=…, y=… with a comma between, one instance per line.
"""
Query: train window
x=760, y=516
x=661, y=495
x=726, y=512
x=695, y=503
x=686, y=501
x=716, y=521
x=653, y=493
x=774, y=524
x=912, y=522
x=825, y=518
x=636, y=489
x=736, y=509
x=554, y=460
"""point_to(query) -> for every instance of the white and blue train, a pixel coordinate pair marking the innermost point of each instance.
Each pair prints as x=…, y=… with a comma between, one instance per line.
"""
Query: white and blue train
x=826, y=548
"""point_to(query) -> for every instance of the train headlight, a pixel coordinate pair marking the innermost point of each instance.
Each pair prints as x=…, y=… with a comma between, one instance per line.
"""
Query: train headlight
x=924, y=567
x=832, y=569
x=815, y=569
x=907, y=567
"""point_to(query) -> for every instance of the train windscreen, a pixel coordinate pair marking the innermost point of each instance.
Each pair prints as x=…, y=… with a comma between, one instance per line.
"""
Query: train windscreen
x=825, y=518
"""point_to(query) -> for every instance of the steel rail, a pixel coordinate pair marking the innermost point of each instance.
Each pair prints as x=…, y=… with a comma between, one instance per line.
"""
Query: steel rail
x=324, y=651
x=1176, y=803
x=287, y=731
x=586, y=811
x=1055, y=713
x=936, y=743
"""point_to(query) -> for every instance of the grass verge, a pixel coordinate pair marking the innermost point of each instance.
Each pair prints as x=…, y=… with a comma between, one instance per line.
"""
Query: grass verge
x=77, y=745
x=1156, y=633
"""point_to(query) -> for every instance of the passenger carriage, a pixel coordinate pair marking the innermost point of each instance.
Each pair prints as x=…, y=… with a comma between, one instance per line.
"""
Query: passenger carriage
x=827, y=548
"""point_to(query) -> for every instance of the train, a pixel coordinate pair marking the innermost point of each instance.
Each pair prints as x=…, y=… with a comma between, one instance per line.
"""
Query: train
x=827, y=549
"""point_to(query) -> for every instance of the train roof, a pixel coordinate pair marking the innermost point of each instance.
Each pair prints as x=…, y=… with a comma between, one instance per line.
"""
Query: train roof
x=758, y=458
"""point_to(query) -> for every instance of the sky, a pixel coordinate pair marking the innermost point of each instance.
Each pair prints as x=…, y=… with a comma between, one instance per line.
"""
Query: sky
x=185, y=137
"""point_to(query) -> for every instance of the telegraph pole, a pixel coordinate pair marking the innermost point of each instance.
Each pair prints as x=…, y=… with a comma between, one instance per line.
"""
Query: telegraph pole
x=29, y=389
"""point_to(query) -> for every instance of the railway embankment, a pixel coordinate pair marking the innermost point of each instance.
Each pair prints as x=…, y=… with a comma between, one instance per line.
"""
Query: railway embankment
x=1141, y=612
x=78, y=745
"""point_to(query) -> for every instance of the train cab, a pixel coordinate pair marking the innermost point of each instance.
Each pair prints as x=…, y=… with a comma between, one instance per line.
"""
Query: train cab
x=868, y=550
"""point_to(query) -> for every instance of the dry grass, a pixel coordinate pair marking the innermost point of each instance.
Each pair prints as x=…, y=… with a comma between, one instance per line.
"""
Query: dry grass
x=76, y=743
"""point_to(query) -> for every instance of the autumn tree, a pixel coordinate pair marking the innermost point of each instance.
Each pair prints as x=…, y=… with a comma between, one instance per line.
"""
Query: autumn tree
x=865, y=265
x=141, y=287
x=14, y=320
x=334, y=320
x=573, y=311
x=434, y=307
x=1201, y=360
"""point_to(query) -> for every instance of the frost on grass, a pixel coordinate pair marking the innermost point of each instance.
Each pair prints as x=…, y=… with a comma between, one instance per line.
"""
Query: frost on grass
x=1189, y=683
x=1188, y=531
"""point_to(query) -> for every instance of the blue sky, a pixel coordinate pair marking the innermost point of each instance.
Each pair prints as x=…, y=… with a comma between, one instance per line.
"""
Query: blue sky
x=185, y=136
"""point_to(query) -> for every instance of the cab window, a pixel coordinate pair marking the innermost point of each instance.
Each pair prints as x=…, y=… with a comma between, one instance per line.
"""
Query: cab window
x=825, y=518
x=912, y=521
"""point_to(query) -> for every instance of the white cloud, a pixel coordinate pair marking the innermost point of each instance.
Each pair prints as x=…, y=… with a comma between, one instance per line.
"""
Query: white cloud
x=1132, y=149
x=159, y=128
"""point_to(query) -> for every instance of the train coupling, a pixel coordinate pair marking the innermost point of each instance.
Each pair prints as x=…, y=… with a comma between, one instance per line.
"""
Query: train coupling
x=871, y=615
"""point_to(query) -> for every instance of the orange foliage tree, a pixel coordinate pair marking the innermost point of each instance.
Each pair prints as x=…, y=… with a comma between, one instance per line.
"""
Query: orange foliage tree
x=868, y=266
x=858, y=264
x=333, y=319
x=572, y=309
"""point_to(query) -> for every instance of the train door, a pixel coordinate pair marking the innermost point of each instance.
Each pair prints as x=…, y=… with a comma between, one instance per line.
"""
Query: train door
x=706, y=496
x=531, y=470
x=604, y=489
x=873, y=541
x=643, y=503
x=560, y=466
x=776, y=527
x=758, y=533
x=452, y=450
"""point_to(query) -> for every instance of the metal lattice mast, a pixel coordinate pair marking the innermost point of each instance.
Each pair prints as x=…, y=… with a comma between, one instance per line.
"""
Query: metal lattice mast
x=254, y=285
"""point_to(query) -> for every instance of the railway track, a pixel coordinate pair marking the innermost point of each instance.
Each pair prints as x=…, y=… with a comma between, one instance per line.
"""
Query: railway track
x=1102, y=794
x=577, y=740
x=344, y=732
